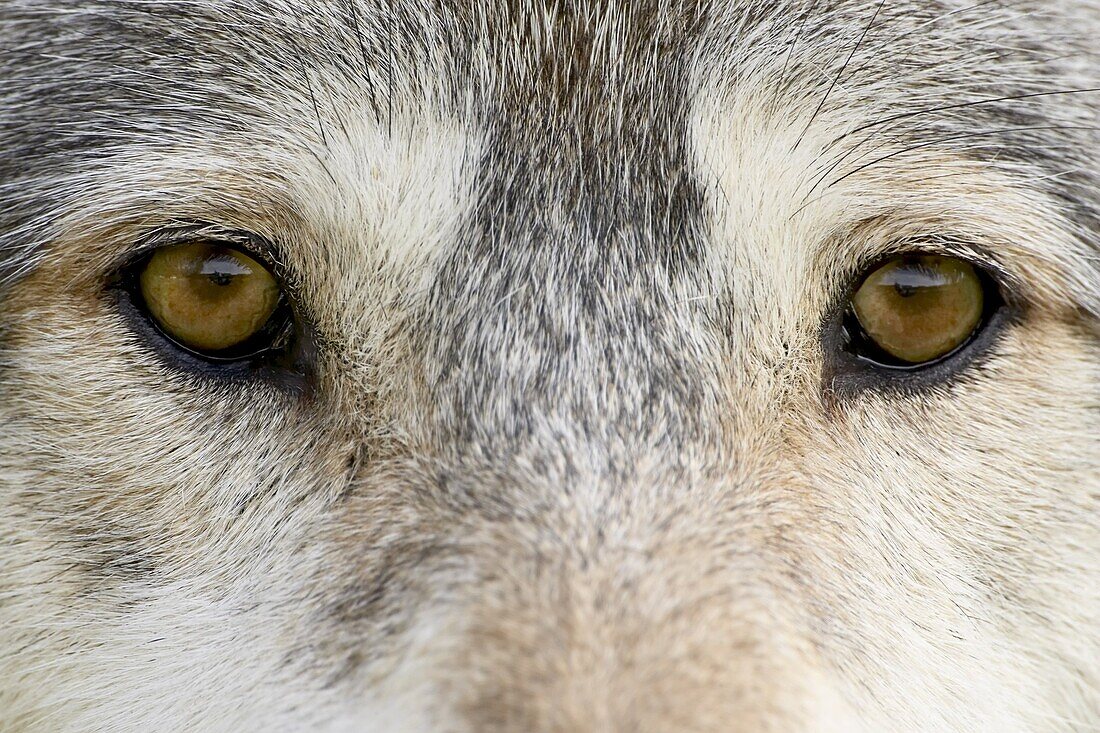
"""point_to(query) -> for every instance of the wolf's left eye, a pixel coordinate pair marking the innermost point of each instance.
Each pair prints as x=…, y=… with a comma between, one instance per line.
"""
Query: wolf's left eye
x=210, y=299
x=917, y=309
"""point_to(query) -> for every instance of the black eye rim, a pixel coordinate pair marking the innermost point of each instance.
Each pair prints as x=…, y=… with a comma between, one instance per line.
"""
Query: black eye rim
x=274, y=336
x=281, y=352
x=855, y=363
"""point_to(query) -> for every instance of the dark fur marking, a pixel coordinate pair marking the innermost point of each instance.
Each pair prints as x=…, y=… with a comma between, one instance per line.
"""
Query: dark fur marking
x=586, y=188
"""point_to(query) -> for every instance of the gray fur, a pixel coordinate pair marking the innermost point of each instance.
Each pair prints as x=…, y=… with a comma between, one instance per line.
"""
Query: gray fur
x=572, y=456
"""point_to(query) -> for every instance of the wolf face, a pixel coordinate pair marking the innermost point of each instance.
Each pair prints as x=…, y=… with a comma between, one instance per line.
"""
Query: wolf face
x=559, y=419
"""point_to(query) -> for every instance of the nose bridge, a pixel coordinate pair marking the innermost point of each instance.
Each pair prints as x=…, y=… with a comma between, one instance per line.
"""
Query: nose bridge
x=571, y=593
x=570, y=359
x=660, y=611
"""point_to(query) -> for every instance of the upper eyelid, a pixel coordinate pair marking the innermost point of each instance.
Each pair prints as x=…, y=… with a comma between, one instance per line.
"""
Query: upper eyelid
x=979, y=257
x=251, y=244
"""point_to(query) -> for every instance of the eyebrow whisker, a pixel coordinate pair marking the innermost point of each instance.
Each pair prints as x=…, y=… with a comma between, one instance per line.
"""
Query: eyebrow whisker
x=964, y=136
x=807, y=201
x=965, y=105
x=843, y=68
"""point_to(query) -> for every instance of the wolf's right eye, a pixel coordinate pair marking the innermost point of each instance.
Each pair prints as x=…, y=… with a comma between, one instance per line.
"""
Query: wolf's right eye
x=210, y=299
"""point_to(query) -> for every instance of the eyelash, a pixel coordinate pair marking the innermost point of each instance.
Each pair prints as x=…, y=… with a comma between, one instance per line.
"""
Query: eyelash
x=258, y=248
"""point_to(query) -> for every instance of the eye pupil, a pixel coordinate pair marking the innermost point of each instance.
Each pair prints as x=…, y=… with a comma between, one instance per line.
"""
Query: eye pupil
x=905, y=291
x=218, y=274
x=223, y=264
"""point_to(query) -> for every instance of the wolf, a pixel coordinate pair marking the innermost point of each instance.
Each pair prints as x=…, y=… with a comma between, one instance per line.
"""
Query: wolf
x=587, y=366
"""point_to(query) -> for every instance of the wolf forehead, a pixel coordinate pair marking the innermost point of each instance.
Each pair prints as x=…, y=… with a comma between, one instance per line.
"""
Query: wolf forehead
x=584, y=107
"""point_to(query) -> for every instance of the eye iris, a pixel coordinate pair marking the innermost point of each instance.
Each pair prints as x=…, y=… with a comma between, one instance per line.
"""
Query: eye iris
x=208, y=297
x=920, y=308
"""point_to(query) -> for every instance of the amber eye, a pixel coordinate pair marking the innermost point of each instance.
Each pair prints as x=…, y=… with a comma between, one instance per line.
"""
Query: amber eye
x=208, y=297
x=916, y=309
